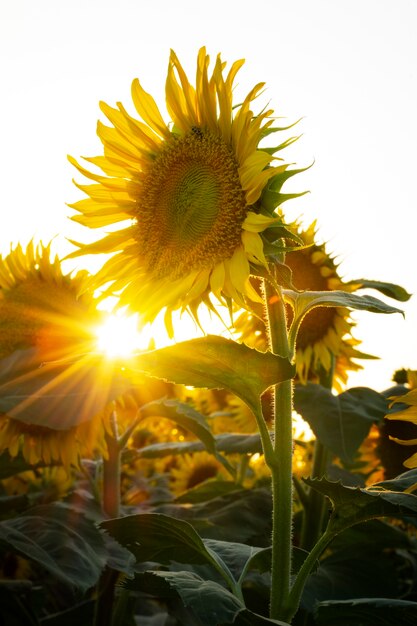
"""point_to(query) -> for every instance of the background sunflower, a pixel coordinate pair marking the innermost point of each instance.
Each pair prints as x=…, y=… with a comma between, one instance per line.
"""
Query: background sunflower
x=51, y=317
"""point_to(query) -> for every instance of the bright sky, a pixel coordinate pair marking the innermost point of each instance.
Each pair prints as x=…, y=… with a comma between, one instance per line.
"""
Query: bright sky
x=348, y=67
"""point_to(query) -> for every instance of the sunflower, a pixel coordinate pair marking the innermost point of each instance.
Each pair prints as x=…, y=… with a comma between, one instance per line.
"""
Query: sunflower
x=325, y=332
x=46, y=311
x=191, y=189
x=190, y=470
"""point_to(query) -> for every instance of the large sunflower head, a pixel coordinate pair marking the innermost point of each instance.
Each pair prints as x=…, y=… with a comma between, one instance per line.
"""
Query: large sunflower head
x=191, y=191
x=48, y=312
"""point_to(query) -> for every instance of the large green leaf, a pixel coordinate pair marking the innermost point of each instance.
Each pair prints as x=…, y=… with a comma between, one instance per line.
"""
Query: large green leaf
x=63, y=542
x=340, y=422
x=158, y=537
x=207, y=600
x=218, y=363
x=61, y=394
x=367, y=612
x=353, y=505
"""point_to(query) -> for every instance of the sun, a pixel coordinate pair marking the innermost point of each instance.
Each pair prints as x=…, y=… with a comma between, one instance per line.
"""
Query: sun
x=118, y=336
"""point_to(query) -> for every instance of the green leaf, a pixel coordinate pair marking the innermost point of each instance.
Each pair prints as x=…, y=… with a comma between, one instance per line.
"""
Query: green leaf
x=340, y=422
x=353, y=504
x=243, y=516
x=218, y=363
x=158, y=537
x=210, y=602
x=388, y=289
x=373, y=573
x=231, y=443
x=302, y=302
x=367, y=612
x=400, y=483
x=62, y=541
x=57, y=395
x=235, y=555
x=185, y=416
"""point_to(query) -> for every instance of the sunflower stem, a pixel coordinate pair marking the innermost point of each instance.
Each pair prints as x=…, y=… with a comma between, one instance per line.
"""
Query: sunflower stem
x=315, y=509
x=281, y=466
x=111, y=508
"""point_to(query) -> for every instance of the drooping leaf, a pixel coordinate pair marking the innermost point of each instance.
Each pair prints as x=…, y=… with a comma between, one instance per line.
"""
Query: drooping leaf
x=302, y=302
x=218, y=363
x=230, y=443
x=367, y=612
x=388, y=289
x=340, y=422
x=63, y=542
x=353, y=505
x=57, y=395
x=185, y=416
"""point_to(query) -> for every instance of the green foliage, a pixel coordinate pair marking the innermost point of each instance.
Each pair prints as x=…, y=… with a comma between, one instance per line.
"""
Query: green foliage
x=340, y=422
x=352, y=505
x=59, y=540
x=217, y=363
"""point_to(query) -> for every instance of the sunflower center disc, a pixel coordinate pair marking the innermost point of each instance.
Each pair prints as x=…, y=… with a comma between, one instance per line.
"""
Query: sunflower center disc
x=191, y=211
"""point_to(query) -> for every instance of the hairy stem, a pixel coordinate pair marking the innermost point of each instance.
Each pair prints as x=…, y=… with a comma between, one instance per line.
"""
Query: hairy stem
x=281, y=464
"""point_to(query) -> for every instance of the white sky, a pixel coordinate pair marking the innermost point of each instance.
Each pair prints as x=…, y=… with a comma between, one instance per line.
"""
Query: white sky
x=348, y=67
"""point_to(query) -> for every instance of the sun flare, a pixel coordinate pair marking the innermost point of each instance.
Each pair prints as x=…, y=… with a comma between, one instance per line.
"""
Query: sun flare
x=118, y=336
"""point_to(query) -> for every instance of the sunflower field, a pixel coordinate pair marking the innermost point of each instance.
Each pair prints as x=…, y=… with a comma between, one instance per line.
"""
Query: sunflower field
x=231, y=477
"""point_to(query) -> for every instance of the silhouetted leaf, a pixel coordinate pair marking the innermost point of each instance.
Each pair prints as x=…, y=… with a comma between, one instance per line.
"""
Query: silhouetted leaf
x=340, y=422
